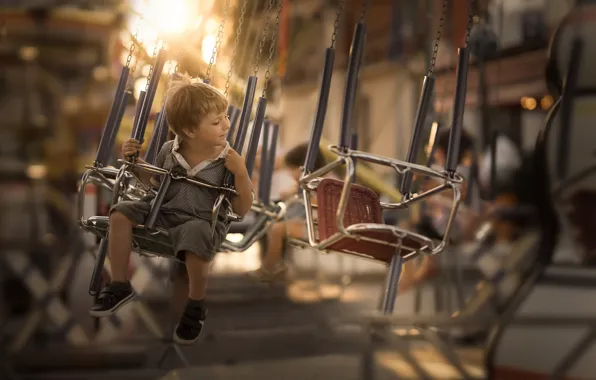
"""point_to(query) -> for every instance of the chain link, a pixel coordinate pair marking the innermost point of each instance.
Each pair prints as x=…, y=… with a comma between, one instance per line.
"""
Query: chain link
x=155, y=49
x=433, y=60
x=470, y=21
x=131, y=50
x=272, y=47
x=236, y=40
x=217, y=42
x=336, y=23
x=263, y=35
x=364, y=10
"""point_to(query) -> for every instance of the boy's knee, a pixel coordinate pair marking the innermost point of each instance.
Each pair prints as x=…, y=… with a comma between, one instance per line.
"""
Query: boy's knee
x=119, y=218
x=279, y=228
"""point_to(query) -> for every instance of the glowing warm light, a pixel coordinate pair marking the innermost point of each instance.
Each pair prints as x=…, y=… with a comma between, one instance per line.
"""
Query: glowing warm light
x=207, y=47
x=529, y=103
x=145, y=70
x=36, y=171
x=139, y=86
x=546, y=102
x=211, y=26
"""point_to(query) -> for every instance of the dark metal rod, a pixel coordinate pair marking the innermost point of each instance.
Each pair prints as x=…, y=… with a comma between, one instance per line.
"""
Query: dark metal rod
x=115, y=131
x=459, y=103
x=577, y=49
x=255, y=135
x=265, y=146
x=153, y=148
x=317, y=128
x=104, y=149
x=423, y=106
x=152, y=89
x=158, y=201
x=96, y=276
x=393, y=276
x=270, y=164
x=493, y=165
x=249, y=96
x=234, y=116
x=138, y=110
x=352, y=84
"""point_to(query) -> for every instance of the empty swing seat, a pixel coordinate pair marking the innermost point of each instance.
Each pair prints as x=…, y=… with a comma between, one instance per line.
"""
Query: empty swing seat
x=368, y=236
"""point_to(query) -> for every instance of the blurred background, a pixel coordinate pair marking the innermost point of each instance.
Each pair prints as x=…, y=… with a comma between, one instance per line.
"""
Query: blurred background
x=59, y=66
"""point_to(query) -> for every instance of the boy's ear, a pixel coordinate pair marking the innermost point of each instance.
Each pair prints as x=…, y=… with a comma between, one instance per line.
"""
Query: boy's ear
x=188, y=132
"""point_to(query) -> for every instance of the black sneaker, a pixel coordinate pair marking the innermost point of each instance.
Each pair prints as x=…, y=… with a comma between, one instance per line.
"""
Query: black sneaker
x=111, y=298
x=189, y=328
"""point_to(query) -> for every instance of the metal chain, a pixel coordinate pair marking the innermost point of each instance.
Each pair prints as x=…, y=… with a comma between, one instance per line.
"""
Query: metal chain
x=131, y=50
x=433, y=60
x=336, y=23
x=263, y=36
x=238, y=32
x=217, y=41
x=364, y=10
x=470, y=21
x=155, y=49
x=272, y=47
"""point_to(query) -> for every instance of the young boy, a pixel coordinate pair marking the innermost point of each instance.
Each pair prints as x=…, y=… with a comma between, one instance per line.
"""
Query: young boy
x=196, y=113
x=273, y=267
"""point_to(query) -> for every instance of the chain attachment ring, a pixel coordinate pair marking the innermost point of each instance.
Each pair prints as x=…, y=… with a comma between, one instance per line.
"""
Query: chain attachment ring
x=217, y=44
x=272, y=48
x=337, y=23
x=236, y=40
x=470, y=21
x=433, y=60
x=263, y=35
x=155, y=49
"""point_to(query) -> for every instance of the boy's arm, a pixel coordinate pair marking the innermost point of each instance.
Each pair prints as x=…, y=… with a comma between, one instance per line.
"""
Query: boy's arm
x=242, y=202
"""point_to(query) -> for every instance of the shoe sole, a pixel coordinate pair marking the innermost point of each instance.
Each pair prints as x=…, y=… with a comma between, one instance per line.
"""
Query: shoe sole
x=107, y=313
x=179, y=340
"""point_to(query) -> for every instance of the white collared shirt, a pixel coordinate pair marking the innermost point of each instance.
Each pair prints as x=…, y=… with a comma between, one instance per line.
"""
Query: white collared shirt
x=191, y=172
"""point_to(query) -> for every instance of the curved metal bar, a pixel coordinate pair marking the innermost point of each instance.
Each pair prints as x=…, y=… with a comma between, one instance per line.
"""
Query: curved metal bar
x=423, y=105
x=152, y=88
x=112, y=124
x=255, y=135
x=354, y=61
x=567, y=100
x=459, y=103
x=317, y=127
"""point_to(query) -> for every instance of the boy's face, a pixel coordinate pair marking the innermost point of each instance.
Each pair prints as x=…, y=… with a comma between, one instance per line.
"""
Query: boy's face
x=212, y=131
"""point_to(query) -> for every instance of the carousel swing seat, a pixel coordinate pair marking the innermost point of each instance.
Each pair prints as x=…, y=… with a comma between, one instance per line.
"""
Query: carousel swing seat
x=349, y=216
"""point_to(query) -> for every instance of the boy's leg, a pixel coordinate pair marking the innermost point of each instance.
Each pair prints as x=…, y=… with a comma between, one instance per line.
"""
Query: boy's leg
x=191, y=323
x=273, y=267
x=119, y=291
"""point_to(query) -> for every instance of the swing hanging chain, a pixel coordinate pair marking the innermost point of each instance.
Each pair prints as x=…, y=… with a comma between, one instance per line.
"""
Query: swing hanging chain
x=364, y=10
x=155, y=49
x=272, y=48
x=131, y=51
x=236, y=40
x=470, y=21
x=264, y=35
x=433, y=60
x=337, y=23
x=217, y=41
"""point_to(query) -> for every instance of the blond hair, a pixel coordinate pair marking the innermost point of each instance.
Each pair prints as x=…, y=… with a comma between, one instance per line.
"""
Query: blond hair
x=189, y=101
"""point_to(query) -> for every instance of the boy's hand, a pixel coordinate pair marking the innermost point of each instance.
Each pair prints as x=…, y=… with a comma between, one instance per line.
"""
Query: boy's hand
x=235, y=162
x=131, y=147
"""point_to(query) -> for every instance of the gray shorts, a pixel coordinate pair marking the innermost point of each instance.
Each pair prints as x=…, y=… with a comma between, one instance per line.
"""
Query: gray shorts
x=187, y=233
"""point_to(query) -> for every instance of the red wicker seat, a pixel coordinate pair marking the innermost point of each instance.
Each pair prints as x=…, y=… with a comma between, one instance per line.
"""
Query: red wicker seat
x=363, y=207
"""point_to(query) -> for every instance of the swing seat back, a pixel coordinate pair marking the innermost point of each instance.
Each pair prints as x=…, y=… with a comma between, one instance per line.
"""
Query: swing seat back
x=363, y=218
